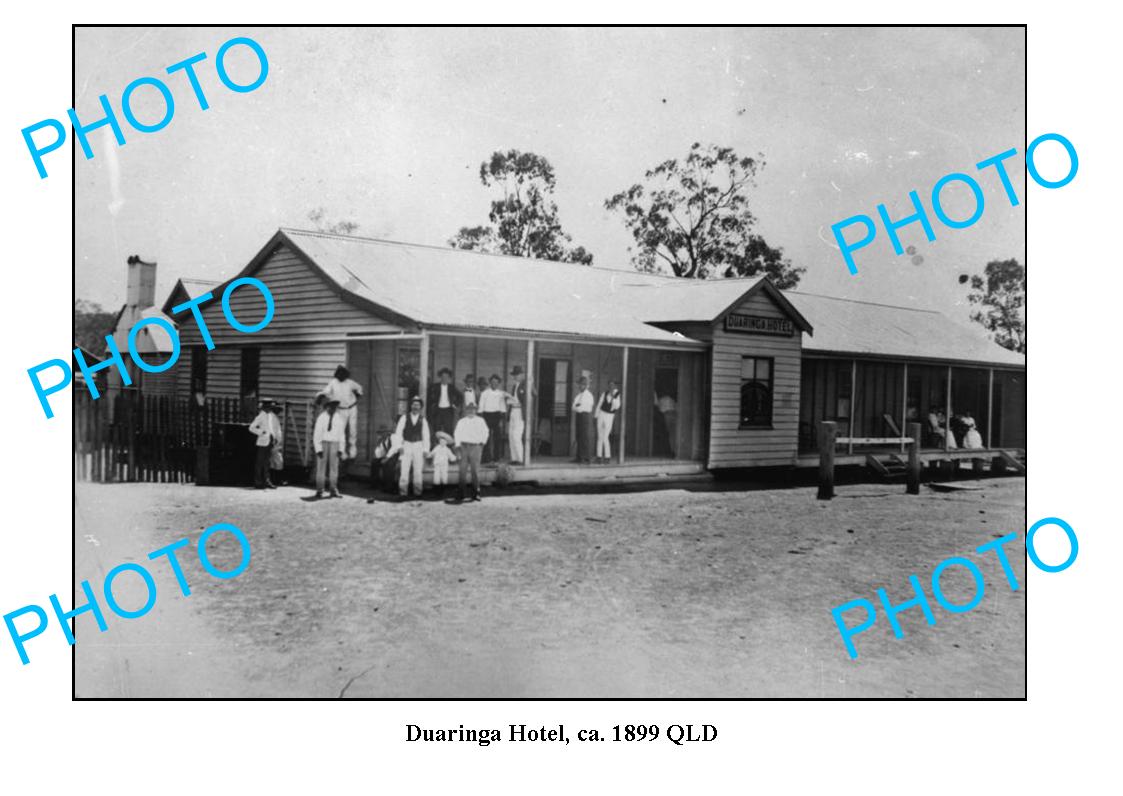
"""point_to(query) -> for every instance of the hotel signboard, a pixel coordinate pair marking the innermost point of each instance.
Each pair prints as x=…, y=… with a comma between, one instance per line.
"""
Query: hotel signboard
x=756, y=324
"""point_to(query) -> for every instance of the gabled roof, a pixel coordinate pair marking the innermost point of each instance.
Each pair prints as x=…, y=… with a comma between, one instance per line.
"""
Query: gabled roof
x=843, y=326
x=442, y=287
x=686, y=300
x=186, y=289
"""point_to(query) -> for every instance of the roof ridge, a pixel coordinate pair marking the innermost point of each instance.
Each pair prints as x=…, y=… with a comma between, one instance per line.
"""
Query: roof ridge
x=455, y=250
x=870, y=303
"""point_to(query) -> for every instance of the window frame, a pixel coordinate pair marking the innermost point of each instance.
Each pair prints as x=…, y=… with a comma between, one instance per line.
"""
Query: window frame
x=771, y=384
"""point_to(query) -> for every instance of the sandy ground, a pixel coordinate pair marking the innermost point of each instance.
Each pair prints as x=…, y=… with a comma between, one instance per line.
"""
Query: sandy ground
x=671, y=593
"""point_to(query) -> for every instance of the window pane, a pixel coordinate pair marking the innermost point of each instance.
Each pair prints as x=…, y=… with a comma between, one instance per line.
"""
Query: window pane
x=763, y=366
x=747, y=369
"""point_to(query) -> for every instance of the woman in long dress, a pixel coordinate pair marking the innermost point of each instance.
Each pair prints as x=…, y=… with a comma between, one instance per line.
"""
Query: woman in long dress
x=971, y=438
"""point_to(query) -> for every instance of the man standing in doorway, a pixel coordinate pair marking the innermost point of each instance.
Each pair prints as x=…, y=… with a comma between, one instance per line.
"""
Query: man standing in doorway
x=493, y=406
x=515, y=426
x=583, y=415
x=444, y=403
x=347, y=392
x=413, y=429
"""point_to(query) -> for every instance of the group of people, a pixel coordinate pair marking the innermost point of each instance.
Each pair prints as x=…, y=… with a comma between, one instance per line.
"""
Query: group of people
x=473, y=425
x=960, y=432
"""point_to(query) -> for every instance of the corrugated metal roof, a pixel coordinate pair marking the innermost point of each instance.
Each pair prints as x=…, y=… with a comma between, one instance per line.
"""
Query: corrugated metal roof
x=449, y=287
x=859, y=327
x=446, y=287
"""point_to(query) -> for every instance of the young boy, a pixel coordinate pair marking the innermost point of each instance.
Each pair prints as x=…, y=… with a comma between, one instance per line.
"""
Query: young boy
x=327, y=440
x=442, y=455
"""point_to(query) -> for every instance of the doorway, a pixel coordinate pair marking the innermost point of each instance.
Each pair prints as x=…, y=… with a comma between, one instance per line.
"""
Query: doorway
x=664, y=431
x=551, y=434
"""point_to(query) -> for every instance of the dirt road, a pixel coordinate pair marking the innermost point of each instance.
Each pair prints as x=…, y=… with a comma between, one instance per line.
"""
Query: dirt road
x=652, y=594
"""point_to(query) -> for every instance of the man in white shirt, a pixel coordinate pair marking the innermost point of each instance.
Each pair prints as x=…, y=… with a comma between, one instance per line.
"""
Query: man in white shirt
x=413, y=429
x=470, y=391
x=583, y=416
x=607, y=407
x=347, y=392
x=493, y=406
x=267, y=428
x=471, y=435
x=328, y=438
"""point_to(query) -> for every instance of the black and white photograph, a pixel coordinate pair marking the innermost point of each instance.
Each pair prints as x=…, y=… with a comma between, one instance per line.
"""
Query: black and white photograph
x=550, y=362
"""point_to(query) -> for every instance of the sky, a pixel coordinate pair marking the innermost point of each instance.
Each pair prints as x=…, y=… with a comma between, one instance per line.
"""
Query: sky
x=387, y=127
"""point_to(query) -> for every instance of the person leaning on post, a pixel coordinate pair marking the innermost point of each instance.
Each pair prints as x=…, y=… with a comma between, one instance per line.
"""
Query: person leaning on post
x=470, y=437
x=328, y=438
x=413, y=429
x=267, y=428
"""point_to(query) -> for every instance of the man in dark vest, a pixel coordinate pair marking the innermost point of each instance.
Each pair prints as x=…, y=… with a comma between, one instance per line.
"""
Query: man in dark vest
x=413, y=429
x=444, y=403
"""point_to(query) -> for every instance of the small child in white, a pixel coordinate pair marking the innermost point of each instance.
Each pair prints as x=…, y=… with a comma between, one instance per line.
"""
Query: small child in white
x=442, y=455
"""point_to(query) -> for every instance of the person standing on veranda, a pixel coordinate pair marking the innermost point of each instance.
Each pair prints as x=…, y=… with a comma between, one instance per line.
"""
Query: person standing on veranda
x=444, y=403
x=347, y=392
x=470, y=437
x=516, y=400
x=583, y=406
x=607, y=407
x=493, y=407
x=328, y=438
x=413, y=429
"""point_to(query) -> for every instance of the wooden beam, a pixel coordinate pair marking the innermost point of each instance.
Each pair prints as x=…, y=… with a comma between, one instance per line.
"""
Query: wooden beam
x=912, y=477
x=947, y=410
x=827, y=431
x=990, y=405
x=905, y=402
x=423, y=368
x=624, y=398
x=528, y=416
x=853, y=402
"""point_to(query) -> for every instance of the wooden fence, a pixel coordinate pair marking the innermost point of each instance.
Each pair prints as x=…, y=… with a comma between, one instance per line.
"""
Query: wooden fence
x=129, y=436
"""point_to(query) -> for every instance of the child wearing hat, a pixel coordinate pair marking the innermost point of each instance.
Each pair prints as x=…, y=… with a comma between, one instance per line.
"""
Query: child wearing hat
x=442, y=456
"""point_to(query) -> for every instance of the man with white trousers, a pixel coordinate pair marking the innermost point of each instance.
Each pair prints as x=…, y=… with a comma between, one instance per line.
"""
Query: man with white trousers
x=413, y=429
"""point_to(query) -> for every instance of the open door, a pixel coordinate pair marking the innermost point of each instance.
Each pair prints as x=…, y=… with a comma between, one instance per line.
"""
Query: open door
x=552, y=433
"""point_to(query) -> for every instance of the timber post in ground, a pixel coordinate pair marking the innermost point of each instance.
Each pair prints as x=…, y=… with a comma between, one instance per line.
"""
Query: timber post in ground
x=828, y=430
x=912, y=484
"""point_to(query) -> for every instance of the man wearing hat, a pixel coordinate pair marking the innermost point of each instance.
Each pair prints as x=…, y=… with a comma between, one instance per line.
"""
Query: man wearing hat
x=267, y=428
x=347, y=392
x=516, y=400
x=493, y=408
x=583, y=416
x=470, y=437
x=327, y=440
x=444, y=403
x=413, y=429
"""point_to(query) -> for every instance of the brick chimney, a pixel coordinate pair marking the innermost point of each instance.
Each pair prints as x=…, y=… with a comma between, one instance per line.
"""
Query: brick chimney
x=141, y=284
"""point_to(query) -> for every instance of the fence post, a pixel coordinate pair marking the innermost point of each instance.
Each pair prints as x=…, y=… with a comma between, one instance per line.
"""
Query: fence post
x=913, y=477
x=828, y=430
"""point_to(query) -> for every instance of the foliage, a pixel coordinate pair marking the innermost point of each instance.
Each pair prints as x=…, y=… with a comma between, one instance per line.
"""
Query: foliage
x=693, y=217
x=1000, y=295
x=525, y=217
x=319, y=219
x=91, y=324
